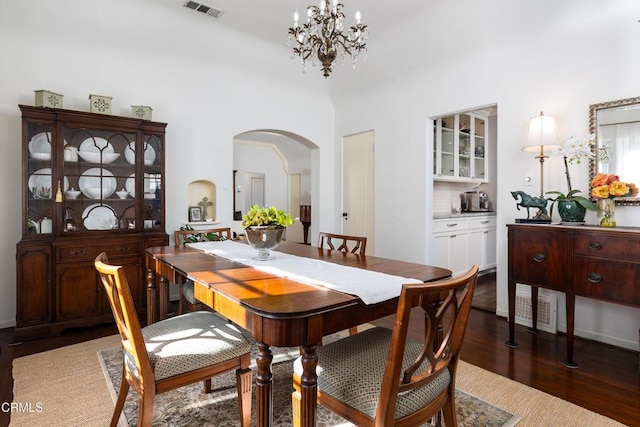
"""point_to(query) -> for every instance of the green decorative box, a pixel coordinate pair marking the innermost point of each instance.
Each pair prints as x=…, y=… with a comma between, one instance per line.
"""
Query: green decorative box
x=100, y=104
x=46, y=98
x=141, y=112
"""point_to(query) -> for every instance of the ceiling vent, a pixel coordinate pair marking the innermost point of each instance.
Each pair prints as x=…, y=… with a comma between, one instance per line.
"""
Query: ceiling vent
x=207, y=10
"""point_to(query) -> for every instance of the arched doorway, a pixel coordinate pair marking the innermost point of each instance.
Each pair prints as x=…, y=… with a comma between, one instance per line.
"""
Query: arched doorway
x=285, y=162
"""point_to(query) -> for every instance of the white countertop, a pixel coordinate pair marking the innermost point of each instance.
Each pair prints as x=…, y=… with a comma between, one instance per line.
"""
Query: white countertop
x=445, y=215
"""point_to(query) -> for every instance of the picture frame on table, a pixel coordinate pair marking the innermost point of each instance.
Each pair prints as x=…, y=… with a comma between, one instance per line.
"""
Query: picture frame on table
x=195, y=214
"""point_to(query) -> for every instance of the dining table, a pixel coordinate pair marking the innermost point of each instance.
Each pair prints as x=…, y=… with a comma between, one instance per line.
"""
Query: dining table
x=277, y=310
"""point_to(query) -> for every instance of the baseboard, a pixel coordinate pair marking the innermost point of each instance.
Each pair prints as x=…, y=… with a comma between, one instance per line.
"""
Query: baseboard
x=590, y=335
x=607, y=339
x=7, y=324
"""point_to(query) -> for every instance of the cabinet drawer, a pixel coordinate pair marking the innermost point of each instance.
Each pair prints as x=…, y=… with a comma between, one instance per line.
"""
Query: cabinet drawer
x=89, y=252
x=619, y=247
x=539, y=257
x=450, y=225
x=614, y=281
x=482, y=222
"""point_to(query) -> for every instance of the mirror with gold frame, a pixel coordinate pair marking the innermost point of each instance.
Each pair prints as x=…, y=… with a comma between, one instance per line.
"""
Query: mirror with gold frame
x=616, y=125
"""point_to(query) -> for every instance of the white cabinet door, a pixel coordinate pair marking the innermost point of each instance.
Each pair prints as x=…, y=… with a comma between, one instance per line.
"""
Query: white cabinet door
x=440, y=250
x=461, y=242
x=451, y=251
x=490, y=248
x=476, y=248
x=458, y=253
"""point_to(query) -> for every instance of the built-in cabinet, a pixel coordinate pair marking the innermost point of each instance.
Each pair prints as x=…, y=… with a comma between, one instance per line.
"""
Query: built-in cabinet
x=90, y=183
x=462, y=241
x=460, y=149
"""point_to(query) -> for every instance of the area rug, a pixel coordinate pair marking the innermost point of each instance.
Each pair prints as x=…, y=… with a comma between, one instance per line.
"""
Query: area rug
x=190, y=406
x=70, y=388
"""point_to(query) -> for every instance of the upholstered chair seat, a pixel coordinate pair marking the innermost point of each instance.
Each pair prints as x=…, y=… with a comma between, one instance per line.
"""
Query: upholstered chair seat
x=351, y=370
x=188, y=342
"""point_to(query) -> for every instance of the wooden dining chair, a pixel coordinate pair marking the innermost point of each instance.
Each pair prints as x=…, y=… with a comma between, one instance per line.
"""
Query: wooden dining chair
x=353, y=244
x=383, y=377
x=172, y=353
x=186, y=286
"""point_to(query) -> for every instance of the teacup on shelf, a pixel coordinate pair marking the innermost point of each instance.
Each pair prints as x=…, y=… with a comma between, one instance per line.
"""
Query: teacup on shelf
x=72, y=194
x=123, y=194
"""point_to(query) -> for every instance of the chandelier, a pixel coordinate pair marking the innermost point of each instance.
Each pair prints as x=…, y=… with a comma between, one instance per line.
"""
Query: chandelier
x=322, y=37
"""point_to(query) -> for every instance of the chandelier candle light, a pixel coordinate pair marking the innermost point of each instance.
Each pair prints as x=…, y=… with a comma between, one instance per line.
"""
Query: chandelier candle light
x=322, y=36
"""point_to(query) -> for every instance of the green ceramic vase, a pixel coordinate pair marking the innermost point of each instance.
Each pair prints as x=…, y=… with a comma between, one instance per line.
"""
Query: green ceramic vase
x=571, y=211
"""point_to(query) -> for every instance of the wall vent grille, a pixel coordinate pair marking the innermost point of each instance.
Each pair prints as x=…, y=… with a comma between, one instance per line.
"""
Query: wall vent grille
x=201, y=7
x=547, y=311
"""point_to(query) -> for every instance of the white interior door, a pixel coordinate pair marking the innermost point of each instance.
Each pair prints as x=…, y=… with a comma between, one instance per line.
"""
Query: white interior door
x=256, y=189
x=358, y=186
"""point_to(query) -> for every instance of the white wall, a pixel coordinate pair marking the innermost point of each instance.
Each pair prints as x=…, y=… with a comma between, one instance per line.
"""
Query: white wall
x=207, y=92
x=559, y=57
x=210, y=85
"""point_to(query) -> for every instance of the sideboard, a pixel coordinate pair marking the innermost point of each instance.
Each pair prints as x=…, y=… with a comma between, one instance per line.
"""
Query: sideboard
x=585, y=261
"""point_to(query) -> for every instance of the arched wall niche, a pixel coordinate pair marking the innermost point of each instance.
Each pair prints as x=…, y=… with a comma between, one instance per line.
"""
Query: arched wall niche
x=202, y=194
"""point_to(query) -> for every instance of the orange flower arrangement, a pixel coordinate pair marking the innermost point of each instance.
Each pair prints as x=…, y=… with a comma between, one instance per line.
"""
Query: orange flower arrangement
x=608, y=186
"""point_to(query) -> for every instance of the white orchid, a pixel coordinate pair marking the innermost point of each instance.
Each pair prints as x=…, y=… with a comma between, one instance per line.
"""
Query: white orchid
x=577, y=149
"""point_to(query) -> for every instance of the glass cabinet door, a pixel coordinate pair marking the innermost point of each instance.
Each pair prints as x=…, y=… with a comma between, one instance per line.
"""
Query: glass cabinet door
x=99, y=170
x=464, y=146
x=460, y=148
x=40, y=189
x=153, y=180
x=444, y=147
x=479, y=148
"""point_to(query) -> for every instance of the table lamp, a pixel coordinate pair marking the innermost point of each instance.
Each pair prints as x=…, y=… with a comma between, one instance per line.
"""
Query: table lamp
x=542, y=138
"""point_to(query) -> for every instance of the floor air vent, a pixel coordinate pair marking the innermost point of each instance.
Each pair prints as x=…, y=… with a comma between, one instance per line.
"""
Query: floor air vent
x=547, y=311
x=207, y=10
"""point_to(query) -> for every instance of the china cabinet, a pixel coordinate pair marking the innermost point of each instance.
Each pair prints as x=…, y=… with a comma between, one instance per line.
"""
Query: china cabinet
x=460, y=148
x=90, y=183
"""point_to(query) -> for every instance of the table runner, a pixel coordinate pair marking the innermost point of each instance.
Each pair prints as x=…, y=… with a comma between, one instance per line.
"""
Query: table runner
x=370, y=286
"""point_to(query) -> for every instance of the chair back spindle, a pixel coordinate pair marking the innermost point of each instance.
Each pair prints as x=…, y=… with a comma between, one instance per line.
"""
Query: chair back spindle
x=343, y=243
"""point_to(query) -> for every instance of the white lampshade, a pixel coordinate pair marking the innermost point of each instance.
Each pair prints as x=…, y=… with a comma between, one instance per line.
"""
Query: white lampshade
x=542, y=134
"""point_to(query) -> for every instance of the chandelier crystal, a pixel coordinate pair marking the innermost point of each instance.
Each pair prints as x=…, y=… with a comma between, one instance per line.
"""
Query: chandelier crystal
x=322, y=38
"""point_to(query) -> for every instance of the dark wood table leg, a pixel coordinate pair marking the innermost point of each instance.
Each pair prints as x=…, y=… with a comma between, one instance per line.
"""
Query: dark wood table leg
x=305, y=231
x=570, y=306
x=534, y=310
x=264, y=383
x=151, y=296
x=309, y=386
x=511, y=292
x=163, y=292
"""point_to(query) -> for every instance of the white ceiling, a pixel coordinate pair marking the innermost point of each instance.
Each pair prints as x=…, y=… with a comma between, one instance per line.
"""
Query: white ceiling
x=270, y=19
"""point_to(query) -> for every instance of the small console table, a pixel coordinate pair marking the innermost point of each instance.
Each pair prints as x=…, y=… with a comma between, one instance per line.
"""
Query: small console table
x=587, y=261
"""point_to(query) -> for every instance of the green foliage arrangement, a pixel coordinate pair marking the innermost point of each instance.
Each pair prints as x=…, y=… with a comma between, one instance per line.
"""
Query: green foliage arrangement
x=201, y=237
x=264, y=216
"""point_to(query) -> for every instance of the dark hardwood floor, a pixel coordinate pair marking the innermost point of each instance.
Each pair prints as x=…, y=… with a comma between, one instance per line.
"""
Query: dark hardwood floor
x=607, y=381
x=484, y=297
